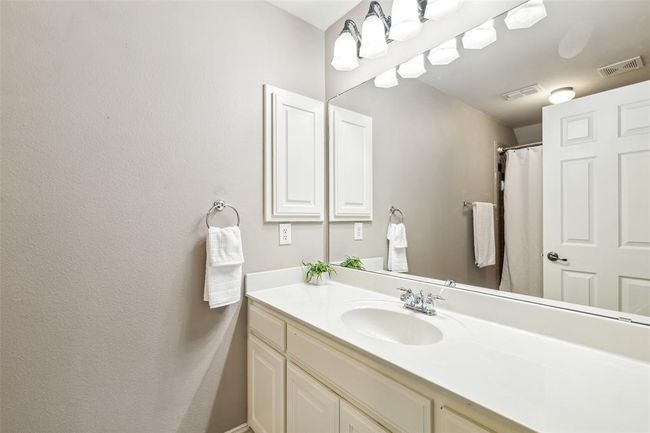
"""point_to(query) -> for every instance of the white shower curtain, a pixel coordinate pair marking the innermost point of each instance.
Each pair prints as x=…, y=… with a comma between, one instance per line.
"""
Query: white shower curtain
x=522, y=258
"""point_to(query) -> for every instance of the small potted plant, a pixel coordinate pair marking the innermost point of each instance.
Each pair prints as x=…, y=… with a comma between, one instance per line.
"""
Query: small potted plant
x=318, y=273
x=353, y=263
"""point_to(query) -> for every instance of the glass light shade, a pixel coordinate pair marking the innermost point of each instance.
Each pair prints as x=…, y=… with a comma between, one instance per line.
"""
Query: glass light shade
x=387, y=79
x=373, y=38
x=563, y=94
x=345, y=53
x=480, y=37
x=526, y=15
x=437, y=9
x=413, y=68
x=444, y=53
x=405, y=20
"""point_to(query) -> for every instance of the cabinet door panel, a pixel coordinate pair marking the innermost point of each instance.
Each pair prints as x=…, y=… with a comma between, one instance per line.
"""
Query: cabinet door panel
x=266, y=396
x=353, y=421
x=311, y=407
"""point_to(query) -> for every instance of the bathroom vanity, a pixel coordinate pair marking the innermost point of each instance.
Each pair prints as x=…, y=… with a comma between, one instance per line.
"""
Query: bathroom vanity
x=342, y=358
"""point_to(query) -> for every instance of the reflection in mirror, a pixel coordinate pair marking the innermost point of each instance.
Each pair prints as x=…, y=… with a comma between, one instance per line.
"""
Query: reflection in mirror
x=468, y=172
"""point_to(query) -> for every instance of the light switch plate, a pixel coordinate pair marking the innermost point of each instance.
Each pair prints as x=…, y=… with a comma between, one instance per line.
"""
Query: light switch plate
x=285, y=234
x=358, y=231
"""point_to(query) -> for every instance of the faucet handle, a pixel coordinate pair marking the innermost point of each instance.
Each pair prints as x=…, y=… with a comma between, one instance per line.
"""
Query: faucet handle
x=406, y=293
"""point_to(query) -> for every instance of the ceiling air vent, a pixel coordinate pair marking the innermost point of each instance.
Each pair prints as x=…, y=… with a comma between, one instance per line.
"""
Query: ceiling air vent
x=621, y=67
x=524, y=91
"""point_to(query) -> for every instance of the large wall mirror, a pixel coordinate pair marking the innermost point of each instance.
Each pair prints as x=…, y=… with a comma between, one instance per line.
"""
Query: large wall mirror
x=468, y=175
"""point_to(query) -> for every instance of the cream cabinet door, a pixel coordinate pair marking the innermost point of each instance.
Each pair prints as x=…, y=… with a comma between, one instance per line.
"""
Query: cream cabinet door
x=311, y=408
x=353, y=421
x=266, y=396
x=450, y=421
x=350, y=159
x=294, y=157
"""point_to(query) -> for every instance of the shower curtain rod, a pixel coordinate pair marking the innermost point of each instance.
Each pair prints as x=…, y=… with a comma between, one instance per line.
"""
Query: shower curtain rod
x=521, y=146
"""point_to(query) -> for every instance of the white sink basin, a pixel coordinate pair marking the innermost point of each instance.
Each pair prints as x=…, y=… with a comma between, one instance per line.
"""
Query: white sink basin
x=392, y=326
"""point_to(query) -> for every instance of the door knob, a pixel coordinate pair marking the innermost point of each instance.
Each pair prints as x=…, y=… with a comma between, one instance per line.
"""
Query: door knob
x=554, y=257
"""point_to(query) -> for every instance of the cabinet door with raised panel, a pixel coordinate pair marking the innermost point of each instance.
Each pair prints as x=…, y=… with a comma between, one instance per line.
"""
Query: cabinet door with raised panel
x=450, y=421
x=311, y=408
x=266, y=396
x=353, y=421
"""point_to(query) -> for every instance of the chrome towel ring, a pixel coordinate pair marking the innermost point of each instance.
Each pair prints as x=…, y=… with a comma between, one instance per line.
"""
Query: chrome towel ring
x=393, y=210
x=219, y=205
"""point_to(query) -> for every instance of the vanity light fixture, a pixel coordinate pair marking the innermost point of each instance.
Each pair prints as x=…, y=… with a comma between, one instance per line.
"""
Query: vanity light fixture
x=413, y=68
x=526, y=15
x=346, y=48
x=444, y=53
x=437, y=9
x=562, y=94
x=374, y=32
x=406, y=19
x=480, y=37
x=387, y=79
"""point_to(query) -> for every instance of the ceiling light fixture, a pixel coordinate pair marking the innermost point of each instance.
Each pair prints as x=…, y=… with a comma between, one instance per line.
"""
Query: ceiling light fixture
x=346, y=48
x=444, y=53
x=526, y=15
x=562, y=94
x=406, y=19
x=413, y=68
x=386, y=80
x=480, y=37
x=374, y=32
x=437, y=9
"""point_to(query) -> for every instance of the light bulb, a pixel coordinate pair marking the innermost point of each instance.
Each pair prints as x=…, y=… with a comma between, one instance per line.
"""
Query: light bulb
x=444, y=53
x=413, y=68
x=526, y=15
x=562, y=94
x=345, y=53
x=480, y=37
x=405, y=20
x=373, y=38
x=437, y=9
x=387, y=79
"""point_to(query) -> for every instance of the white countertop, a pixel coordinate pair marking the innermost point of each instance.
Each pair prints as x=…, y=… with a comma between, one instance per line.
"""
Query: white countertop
x=545, y=384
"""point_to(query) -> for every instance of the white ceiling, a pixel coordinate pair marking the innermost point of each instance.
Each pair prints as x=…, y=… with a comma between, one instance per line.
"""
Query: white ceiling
x=612, y=30
x=319, y=13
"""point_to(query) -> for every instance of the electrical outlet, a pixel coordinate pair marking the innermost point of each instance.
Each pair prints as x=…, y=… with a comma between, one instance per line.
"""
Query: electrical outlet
x=285, y=234
x=358, y=231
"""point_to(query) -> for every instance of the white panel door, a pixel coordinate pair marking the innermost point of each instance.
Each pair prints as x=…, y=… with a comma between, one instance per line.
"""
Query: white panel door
x=311, y=408
x=597, y=200
x=266, y=396
x=350, y=150
x=294, y=157
x=354, y=421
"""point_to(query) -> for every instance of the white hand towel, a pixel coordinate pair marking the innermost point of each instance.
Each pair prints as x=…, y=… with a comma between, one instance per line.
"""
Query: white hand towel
x=397, y=244
x=225, y=246
x=484, y=248
x=223, y=278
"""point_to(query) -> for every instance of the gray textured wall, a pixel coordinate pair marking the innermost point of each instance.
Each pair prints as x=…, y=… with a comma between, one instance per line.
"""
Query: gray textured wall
x=430, y=152
x=121, y=123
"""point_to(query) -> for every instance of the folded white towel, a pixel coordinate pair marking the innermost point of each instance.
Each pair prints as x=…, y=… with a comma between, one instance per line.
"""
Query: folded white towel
x=225, y=246
x=484, y=248
x=223, y=278
x=397, y=244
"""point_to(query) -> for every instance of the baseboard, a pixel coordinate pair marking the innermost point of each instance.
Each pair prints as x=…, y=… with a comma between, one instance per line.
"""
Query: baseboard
x=239, y=429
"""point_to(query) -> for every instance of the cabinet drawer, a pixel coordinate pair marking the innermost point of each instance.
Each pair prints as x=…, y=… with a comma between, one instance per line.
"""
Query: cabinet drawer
x=267, y=326
x=451, y=421
x=400, y=408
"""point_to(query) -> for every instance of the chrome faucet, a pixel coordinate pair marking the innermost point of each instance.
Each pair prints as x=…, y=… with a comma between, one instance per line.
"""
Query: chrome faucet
x=418, y=302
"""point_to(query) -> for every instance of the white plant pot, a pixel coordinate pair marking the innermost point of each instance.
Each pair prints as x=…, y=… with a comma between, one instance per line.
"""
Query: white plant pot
x=322, y=281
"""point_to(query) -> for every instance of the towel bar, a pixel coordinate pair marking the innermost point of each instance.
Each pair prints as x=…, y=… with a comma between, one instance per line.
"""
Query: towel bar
x=470, y=203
